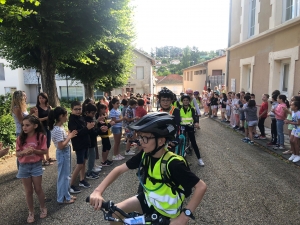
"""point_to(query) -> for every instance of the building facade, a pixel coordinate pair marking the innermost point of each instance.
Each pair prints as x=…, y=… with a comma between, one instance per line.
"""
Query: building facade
x=206, y=74
x=263, y=47
x=141, y=79
x=173, y=82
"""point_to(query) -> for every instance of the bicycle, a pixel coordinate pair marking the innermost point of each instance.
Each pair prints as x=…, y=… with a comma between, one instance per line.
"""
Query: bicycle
x=108, y=208
x=184, y=146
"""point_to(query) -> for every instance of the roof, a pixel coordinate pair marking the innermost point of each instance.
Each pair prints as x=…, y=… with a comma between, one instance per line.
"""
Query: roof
x=147, y=56
x=205, y=62
x=170, y=79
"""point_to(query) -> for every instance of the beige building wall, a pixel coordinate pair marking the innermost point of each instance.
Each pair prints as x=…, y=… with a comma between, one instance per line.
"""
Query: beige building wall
x=195, y=82
x=217, y=64
x=264, y=15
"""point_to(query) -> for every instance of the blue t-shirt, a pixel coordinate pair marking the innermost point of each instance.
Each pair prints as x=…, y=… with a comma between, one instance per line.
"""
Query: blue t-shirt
x=295, y=118
x=116, y=114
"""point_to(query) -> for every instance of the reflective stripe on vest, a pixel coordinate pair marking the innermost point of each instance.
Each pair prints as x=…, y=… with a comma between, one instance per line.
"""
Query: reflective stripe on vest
x=186, y=118
x=163, y=199
x=170, y=111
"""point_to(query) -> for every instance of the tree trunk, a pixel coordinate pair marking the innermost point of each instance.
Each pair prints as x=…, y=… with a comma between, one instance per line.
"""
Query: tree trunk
x=89, y=91
x=48, y=69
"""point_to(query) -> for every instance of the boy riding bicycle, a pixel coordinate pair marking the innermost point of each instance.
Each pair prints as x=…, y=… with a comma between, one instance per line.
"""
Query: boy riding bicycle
x=164, y=192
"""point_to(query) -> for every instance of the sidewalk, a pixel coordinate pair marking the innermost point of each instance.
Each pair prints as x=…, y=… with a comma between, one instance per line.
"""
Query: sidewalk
x=262, y=143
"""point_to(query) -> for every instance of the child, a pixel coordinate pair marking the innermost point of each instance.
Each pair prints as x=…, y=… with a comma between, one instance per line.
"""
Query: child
x=214, y=104
x=223, y=101
x=280, y=116
x=61, y=140
x=80, y=144
x=106, y=146
x=140, y=111
x=128, y=119
x=115, y=115
x=236, y=112
x=232, y=115
x=262, y=115
x=92, y=171
x=30, y=149
x=251, y=118
x=246, y=100
x=295, y=135
x=205, y=103
x=153, y=135
x=273, y=121
x=188, y=117
x=228, y=109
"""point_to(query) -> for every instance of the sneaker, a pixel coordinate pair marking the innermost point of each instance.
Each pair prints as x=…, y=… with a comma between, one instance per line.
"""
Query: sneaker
x=97, y=166
x=245, y=140
x=116, y=158
x=276, y=147
x=241, y=128
x=74, y=190
x=256, y=136
x=211, y=116
x=91, y=176
x=236, y=127
x=200, y=162
x=281, y=147
x=262, y=137
x=251, y=143
x=121, y=157
x=296, y=159
x=292, y=157
x=130, y=152
x=107, y=163
x=84, y=184
x=96, y=170
x=270, y=144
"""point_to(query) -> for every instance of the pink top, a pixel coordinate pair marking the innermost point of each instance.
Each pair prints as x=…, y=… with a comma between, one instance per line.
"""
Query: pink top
x=279, y=111
x=32, y=142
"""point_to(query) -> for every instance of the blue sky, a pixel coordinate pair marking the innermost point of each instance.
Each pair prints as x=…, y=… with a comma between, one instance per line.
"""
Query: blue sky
x=200, y=23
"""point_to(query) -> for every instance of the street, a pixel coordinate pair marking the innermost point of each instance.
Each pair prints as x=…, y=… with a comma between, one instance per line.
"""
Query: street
x=246, y=185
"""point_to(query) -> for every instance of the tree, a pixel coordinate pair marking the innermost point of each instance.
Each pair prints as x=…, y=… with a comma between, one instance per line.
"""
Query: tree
x=60, y=30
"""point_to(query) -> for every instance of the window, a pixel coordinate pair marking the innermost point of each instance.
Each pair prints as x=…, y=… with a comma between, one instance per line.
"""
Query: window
x=2, y=74
x=246, y=73
x=188, y=76
x=284, y=79
x=204, y=71
x=10, y=90
x=75, y=93
x=290, y=9
x=216, y=72
x=252, y=17
x=200, y=72
x=98, y=94
x=191, y=79
x=140, y=72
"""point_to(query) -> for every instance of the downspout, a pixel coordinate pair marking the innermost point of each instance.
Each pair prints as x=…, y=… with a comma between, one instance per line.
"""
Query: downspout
x=229, y=42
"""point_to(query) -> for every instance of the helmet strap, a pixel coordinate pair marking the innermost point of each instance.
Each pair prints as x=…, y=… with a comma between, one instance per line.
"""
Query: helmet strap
x=156, y=149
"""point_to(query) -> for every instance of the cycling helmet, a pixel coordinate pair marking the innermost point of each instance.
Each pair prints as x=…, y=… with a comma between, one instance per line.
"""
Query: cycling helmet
x=189, y=91
x=160, y=124
x=196, y=92
x=185, y=96
x=165, y=93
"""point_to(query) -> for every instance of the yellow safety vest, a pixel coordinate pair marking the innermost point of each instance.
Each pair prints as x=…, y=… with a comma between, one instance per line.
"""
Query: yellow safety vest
x=170, y=111
x=159, y=194
x=186, y=118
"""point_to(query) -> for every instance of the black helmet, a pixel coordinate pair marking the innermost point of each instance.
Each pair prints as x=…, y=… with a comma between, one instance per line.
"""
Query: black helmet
x=165, y=93
x=160, y=124
x=185, y=96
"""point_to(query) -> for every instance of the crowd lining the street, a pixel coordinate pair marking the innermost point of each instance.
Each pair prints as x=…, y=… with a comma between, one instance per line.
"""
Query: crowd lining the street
x=114, y=115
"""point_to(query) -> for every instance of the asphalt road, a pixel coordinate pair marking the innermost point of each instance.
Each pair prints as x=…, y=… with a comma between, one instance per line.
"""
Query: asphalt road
x=246, y=185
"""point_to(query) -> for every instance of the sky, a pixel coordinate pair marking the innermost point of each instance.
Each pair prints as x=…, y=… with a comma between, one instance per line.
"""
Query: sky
x=181, y=23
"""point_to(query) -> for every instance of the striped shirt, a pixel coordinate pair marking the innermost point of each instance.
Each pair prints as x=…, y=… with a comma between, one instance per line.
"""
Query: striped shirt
x=58, y=134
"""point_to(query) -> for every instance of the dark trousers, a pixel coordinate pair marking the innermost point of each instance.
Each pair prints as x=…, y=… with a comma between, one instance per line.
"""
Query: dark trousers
x=192, y=138
x=261, y=126
x=274, y=131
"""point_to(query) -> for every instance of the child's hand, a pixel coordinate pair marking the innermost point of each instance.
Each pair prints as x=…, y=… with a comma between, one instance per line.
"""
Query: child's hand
x=136, y=118
x=90, y=125
x=104, y=128
x=287, y=121
x=101, y=118
x=112, y=123
x=72, y=134
x=34, y=111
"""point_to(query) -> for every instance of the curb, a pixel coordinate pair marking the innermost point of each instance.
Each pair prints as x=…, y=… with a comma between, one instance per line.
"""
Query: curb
x=261, y=143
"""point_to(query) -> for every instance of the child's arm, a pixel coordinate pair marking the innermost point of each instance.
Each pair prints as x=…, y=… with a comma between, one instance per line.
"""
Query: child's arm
x=62, y=144
x=96, y=198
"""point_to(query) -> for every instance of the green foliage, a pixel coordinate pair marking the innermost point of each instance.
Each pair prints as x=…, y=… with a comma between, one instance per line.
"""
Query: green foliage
x=7, y=123
x=163, y=71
